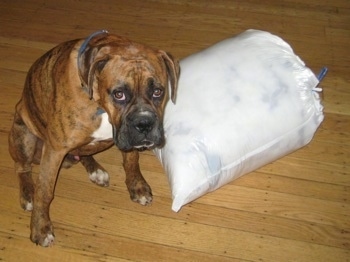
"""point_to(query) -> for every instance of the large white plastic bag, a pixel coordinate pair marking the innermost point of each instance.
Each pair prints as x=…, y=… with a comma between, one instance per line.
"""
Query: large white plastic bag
x=241, y=104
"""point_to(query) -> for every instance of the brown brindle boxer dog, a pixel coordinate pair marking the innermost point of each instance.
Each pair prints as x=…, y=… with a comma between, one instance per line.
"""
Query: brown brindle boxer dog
x=80, y=98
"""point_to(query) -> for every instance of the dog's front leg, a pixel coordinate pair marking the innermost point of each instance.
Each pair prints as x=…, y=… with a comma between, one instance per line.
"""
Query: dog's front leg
x=41, y=226
x=138, y=188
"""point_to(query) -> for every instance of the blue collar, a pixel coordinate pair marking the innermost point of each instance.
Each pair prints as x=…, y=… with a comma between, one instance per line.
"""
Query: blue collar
x=82, y=48
x=86, y=42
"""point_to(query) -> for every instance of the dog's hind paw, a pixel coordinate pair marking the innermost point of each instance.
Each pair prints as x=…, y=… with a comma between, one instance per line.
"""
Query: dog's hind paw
x=99, y=177
x=28, y=206
x=48, y=241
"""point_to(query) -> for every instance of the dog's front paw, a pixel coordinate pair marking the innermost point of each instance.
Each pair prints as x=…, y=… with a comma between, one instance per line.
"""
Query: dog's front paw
x=141, y=193
x=99, y=177
x=47, y=241
x=44, y=237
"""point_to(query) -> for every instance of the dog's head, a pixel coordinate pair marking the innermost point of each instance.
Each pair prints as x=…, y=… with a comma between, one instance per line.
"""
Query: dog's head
x=130, y=82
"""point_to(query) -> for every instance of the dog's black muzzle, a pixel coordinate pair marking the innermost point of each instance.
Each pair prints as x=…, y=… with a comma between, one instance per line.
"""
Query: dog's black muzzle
x=140, y=130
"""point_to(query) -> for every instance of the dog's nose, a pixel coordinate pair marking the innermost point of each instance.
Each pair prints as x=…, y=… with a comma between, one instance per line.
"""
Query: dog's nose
x=144, y=125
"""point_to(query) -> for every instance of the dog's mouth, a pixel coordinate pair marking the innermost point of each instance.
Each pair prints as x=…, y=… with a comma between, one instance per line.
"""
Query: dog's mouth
x=129, y=140
x=146, y=144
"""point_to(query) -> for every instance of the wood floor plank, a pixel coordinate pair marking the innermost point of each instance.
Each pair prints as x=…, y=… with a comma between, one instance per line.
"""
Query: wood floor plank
x=282, y=205
x=334, y=129
x=293, y=186
x=30, y=253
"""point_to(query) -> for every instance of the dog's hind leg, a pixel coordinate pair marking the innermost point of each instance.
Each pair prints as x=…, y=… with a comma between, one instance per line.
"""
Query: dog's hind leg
x=96, y=172
x=22, y=148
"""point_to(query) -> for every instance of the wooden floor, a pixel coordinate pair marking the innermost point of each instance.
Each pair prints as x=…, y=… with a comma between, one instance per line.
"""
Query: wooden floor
x=295, y=209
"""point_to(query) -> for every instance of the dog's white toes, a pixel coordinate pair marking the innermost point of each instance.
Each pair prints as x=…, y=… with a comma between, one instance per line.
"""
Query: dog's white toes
x=28, y=206
x=144, y=200
x=99, y=177
x=48, y=241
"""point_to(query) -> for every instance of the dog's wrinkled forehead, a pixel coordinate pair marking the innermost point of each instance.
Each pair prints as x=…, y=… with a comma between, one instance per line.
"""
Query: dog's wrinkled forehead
x=136, y=67
x=142, y=58
x=133, y=50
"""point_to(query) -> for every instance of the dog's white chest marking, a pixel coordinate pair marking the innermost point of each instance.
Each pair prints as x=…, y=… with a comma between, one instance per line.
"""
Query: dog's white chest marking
x=105, y=131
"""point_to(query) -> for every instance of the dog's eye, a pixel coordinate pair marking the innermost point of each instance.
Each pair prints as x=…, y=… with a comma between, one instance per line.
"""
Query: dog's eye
x=157, y=92
x=119, y=95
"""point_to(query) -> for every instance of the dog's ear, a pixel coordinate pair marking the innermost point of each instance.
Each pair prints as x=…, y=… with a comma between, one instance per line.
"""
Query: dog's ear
x=95, y=68
x=91, y=60
x=173, y=70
